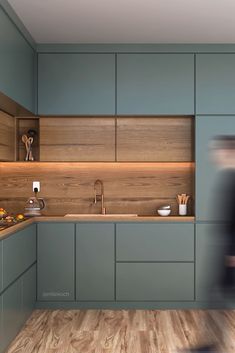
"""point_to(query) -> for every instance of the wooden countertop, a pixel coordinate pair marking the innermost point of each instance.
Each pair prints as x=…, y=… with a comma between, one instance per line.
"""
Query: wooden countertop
x=94, y=218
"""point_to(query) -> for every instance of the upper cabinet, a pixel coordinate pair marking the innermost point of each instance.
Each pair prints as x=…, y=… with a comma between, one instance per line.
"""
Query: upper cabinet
x=76, y=84
x=16, y=64
x=154, y=84
x=215, y=83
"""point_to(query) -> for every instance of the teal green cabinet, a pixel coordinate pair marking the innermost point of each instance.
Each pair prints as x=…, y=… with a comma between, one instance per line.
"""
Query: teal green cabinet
x=12, y=317
x=209, y=196
x=55, y=261
x=19, y=253
x=215, y=84
x=17, y=62
x=1, y=327
x=154, y=84
x=155, y=242
x=76, y=84
x=29, y=292
x=155, y=281
x=17, y=303
x=95, y=262
x=1, y=274
x=209, y=251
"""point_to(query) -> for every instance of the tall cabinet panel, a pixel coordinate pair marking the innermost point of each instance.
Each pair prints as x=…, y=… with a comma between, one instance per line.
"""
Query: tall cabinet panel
x=155, y=84
x=209, y=195
x=215, y=84
x=55, y=270
x=73, y=84
x=95, y=261
x=16, y=64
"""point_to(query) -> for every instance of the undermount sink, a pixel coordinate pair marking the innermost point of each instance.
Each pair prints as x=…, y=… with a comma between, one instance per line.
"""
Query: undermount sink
x=101, y=215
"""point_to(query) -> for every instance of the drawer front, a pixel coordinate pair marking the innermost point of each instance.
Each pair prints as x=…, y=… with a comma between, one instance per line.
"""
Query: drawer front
x=155, y=281
x=19, y=252
x=155, y=242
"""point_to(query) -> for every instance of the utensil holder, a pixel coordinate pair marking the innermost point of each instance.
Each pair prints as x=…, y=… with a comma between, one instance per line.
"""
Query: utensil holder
x=182, y=209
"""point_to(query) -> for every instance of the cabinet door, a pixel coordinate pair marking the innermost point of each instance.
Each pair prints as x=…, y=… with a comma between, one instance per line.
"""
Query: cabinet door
x=209, y=259
x=95, y=261
x=155, y=281
x=155, y=242
x=207, y=175
x=155, y=84
x=1, y=327
x=12, y=315
x=55, y=264
x=215, y=84
x=17, y=62
x=29, y=291
x=19, y=253
x=1, y=267
x=77, y=139
x=76, y=84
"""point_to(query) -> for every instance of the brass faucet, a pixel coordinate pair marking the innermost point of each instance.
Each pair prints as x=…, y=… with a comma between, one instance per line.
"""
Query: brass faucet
x=100, y=196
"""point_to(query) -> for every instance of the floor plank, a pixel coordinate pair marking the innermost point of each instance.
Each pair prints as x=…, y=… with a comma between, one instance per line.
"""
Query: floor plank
x=122, y=331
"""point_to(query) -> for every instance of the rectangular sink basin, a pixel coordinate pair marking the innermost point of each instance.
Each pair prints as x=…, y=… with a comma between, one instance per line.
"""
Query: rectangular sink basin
x=101, y=215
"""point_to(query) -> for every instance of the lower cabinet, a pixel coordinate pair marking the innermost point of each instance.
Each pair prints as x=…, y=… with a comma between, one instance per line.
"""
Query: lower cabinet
x=17, y=303
x=56, y=262
x=210, y=246
x=155, y=281
x=95, y=262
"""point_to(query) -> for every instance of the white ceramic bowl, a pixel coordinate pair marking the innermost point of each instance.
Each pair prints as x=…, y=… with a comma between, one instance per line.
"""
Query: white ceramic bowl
x=164, y=213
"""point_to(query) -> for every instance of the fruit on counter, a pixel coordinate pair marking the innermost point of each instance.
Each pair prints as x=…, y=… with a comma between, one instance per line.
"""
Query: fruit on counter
x=20, y=217
x=3, y=213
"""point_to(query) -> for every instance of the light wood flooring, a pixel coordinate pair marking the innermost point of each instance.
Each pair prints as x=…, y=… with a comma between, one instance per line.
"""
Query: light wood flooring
x=121, y=331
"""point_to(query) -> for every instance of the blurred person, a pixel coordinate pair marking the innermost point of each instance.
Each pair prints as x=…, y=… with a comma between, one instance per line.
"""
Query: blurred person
x=222, y=150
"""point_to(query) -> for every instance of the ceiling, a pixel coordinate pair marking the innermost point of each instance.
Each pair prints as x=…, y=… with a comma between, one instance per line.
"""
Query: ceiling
x=128, y=21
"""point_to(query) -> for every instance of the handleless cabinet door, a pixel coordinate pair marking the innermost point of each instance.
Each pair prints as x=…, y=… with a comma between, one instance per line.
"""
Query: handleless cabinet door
x=12, y=315
x=1, y=267
x=152, y=84
x=215, y=84
x=29, y=291
x=209, y=179
x=95, y=261
x=76, y=84
x=19, y=253
x=210, y=246
x=55, y=266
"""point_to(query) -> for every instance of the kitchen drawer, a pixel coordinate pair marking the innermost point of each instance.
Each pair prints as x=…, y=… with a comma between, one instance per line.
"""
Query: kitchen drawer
x=155, y=242
x=19, y=252
x=155, y=281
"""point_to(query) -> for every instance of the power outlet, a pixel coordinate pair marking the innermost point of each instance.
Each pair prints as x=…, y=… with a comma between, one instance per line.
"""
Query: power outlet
x=36, y=184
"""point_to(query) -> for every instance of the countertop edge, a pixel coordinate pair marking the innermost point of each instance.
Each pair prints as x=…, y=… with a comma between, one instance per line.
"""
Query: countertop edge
x=99, y=219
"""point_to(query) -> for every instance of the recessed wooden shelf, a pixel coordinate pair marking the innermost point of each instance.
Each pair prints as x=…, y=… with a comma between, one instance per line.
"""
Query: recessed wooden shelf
x=23, y=125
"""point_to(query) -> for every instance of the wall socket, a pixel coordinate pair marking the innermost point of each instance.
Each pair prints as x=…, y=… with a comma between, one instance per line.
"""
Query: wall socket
x=36, y=184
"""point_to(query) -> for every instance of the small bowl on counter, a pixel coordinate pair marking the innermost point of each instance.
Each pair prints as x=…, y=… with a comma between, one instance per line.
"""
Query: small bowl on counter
x=164, y=211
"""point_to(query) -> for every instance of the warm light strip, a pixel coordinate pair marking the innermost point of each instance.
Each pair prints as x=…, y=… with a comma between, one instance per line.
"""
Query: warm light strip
x=92, y=165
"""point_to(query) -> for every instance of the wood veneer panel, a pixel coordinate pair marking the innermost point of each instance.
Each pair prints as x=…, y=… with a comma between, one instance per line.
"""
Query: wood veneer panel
x=69, y=187
x=155, y=139
x=77, y=139
x=7, y=137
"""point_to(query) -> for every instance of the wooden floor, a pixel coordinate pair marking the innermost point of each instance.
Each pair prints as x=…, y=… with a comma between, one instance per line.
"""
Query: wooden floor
x=121, y=331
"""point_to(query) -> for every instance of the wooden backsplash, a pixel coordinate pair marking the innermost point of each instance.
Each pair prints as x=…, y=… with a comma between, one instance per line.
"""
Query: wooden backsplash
x=69, y=187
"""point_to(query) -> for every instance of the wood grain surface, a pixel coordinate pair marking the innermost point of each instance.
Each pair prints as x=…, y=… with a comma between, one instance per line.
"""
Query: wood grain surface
x=77, y=139
x=69, y=187
x=155, y=139
x=121, y=331
x=7, y=137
